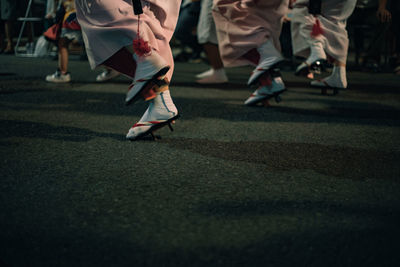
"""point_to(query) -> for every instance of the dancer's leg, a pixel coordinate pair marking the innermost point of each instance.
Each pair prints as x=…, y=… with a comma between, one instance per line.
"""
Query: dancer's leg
x=337, y=80
x=161, y=112
x=151, y=83
x=150, y=72
x=266, y=76
x=217, y=72
x=269, y=57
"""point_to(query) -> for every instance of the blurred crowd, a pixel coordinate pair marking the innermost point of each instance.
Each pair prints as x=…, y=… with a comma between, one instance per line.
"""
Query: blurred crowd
x=373, y=30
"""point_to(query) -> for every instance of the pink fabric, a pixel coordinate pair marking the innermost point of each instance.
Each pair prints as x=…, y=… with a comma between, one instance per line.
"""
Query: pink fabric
x=246, y=24
x=108, y=26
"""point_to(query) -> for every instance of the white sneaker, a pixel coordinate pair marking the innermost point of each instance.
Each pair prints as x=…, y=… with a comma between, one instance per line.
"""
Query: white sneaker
x=205, y=73
x=148, y=69
x=106, y=75
x=215, y=76
x=161, y=112
x=58, y=77
x=266, y=92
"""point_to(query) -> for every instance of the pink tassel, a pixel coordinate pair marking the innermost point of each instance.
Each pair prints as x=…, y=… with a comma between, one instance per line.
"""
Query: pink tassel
x=140, y=46
x=316, y=29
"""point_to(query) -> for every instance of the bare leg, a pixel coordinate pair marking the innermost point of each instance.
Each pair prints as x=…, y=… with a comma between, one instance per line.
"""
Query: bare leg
x=63, y=55
x=217, y=72
x=9, y=34
x=213, y=55
x=61, y=75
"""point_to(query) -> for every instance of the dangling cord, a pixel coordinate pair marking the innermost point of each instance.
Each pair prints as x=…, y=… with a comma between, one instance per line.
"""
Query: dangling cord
x=140, y=47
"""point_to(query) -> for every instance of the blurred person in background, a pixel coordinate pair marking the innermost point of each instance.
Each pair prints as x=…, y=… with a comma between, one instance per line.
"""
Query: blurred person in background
x=381, y=19
x=70, y=32
x=8, y=16
x=186, y=31
x=368, y=34
x=9, y=11
x=207, y=37
x=374, y=19
x=389, y=12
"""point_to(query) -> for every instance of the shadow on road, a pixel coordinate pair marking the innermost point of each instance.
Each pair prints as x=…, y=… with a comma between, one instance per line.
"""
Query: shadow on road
x=344, y=162
x=347, y=112
x=27, y=129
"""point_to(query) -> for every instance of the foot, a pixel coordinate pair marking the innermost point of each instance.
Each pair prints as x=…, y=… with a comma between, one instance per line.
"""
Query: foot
x=59, y=77
x=336, y=80
x=149, y=69
x=261, y=69
x=205, y=74
x=309, y=69
x=328, y=84
x=161, y=112
x=106, y=75
x=267, y=91
x=215, y=76
x=270, y=57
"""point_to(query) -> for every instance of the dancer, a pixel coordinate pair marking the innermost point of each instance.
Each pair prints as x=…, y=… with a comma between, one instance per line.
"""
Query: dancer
x=207, y=36
x=318, y=31
x=136, y=45
x=248, y=33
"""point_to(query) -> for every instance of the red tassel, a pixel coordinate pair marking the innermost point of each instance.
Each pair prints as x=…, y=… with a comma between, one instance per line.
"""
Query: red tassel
x=316, y=29
x=140, y=46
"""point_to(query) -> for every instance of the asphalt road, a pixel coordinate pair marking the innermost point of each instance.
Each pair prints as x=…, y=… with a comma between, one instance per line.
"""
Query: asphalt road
x=311, y=181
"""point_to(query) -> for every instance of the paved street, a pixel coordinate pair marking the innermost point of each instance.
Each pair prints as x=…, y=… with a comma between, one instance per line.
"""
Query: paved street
x=311, y=181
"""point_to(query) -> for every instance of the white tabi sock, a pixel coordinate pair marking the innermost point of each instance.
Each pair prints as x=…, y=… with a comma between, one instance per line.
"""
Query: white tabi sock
x=317, y=52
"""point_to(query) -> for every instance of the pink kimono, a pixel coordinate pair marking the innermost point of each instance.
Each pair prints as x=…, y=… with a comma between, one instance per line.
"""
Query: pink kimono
x=243, y=25
x=109, y=26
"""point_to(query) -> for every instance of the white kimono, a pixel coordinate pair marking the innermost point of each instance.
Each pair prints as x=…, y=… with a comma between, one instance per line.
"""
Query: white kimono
x=333, y=17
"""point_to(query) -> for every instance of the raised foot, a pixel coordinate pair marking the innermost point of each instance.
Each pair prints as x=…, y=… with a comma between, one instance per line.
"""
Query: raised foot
x=308, y=70
x=147, y=88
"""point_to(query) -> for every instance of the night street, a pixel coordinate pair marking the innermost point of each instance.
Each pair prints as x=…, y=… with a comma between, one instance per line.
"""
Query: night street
x=311, y=181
